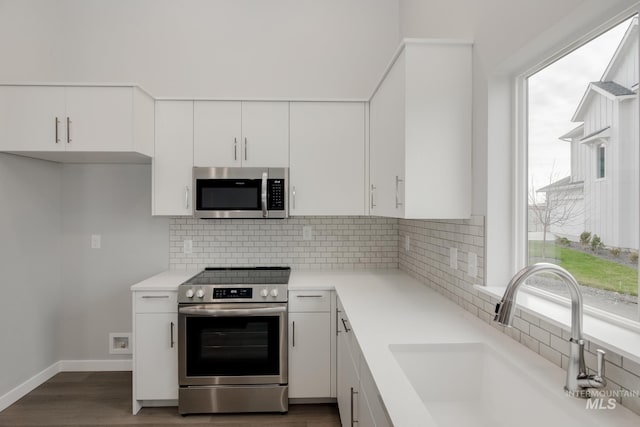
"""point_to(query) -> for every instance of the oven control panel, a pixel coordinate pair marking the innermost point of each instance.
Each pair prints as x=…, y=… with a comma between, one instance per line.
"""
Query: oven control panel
x=228, y=293
x=232, y=293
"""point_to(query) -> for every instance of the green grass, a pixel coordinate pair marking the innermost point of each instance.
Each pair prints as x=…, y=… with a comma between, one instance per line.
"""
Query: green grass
x=589, y=270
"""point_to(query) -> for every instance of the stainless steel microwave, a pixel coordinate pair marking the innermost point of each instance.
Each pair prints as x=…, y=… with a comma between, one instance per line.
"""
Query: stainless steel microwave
x=240, y=192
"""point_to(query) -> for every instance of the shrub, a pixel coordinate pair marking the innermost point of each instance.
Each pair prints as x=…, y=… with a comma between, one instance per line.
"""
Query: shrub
x=585, y=238
x=633, y=257
x=563, y=241
x=615, y=252
x=596, y=243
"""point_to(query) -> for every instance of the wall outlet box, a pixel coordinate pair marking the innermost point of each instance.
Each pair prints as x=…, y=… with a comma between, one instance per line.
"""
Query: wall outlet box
x=96, y=241
x=407, y=243
x=307, y=232
x=472, y=265
x=187, y=248
x=120, y=343
x=453, y=258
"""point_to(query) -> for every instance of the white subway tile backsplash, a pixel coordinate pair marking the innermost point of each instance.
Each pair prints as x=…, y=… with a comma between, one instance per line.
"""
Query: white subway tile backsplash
x=551, y=354
x=338, y=243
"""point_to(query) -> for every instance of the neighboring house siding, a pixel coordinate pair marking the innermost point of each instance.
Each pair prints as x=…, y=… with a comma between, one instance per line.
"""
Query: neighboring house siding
x=629, y=189
x=609, y=113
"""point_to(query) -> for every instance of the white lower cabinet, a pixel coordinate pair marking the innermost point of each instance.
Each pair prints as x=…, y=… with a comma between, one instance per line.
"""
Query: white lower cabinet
x=310, y=344
x=358, y=399
x=155, y=348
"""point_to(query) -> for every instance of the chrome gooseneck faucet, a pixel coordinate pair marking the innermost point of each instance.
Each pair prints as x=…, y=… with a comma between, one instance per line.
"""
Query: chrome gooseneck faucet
x=578, y=382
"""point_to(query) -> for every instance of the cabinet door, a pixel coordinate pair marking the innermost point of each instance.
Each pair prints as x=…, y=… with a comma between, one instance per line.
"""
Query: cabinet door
x=217, y=133
x=265, y=134
x=348, y=383
x=327, y=158
x=29, y=117
x=365, y=415
x=101, y=118
x=387, y=114
x=156, y=356
x=309, y=355
x=173, y=160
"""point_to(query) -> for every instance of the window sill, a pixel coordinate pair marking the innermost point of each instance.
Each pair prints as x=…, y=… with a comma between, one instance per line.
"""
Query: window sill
x=623, y=340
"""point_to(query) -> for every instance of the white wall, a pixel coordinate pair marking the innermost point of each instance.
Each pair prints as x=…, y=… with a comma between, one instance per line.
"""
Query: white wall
x=30, y=256
x=203, y=48
x=115, y=202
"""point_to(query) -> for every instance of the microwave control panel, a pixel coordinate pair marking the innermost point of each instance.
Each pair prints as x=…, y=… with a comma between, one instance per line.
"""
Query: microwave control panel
x=275, y=194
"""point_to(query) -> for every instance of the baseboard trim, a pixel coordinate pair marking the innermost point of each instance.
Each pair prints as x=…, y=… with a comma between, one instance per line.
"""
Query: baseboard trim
x=19, y=391
x=41, y=377
x=95, y=365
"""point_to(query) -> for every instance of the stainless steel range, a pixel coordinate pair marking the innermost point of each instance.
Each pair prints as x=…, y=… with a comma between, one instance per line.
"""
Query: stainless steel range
x=232, y=341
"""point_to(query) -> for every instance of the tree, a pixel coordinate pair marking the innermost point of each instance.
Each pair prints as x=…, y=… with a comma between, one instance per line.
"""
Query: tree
x=560, y=205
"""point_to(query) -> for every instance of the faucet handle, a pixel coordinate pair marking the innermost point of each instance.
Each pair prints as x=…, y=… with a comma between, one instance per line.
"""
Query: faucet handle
x=600, y=353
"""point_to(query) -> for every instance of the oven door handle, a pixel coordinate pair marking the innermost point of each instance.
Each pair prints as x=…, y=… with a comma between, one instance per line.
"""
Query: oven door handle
x=227, y=312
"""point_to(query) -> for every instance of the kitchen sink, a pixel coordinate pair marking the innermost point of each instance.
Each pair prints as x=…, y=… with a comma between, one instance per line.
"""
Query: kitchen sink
x=471, y=384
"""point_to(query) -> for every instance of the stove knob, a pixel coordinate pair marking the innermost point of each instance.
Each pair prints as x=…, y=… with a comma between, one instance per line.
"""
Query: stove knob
x=264, y=293
x=200, y=293
x=274, y=292
x=189, y=293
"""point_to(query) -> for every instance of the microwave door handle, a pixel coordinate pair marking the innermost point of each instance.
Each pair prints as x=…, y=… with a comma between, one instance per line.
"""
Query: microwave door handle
x=264, y=194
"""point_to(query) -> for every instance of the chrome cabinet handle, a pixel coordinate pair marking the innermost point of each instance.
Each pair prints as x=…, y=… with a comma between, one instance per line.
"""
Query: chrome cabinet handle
x=57, y=131
x=373, y=203
x=398, y=181
x=294, y=334
x=245, y=148
x=155, y=296
x=353, y=420
x=309, y=296
x=172, y=342
x=235, y=149
x=68, y=130
x=186, y=197
x=346, y=328
x=293, y=194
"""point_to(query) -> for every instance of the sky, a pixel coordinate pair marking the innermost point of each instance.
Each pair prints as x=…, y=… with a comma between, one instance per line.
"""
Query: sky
x=554, y=95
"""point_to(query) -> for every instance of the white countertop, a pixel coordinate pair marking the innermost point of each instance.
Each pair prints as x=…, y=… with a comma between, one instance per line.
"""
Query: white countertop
x=390, y=307
x=166, y=281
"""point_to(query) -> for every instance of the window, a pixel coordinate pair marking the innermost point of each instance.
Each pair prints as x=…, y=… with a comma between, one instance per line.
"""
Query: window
x=582, y=108
x=600, y=167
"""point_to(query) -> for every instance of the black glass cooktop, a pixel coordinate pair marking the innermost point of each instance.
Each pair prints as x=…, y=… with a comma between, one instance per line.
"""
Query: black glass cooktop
x=241, y=276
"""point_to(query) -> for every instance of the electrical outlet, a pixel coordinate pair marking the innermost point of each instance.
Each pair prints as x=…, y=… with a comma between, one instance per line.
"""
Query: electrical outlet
x=407, y=243
x=307, y=232
x=472, y=264
x=96, y=241
x=453, y=258
x=188, y=246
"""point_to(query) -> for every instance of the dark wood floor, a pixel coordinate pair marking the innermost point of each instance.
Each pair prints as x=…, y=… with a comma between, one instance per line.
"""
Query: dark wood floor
x=104, y=399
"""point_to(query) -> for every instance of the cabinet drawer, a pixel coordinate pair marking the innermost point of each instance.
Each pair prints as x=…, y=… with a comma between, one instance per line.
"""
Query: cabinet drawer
x=309, y=301
x=156, y=302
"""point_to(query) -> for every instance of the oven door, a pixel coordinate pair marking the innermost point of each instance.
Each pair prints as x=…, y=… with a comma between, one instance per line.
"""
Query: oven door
x=226, y=344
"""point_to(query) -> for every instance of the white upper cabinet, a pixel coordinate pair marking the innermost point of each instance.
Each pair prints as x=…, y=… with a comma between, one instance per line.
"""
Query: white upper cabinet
x=217, y=133
x=43, y=121
x=31, y=118
x=173, y=160
x=420, y=140
x=247, y=133
x=327, y=158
